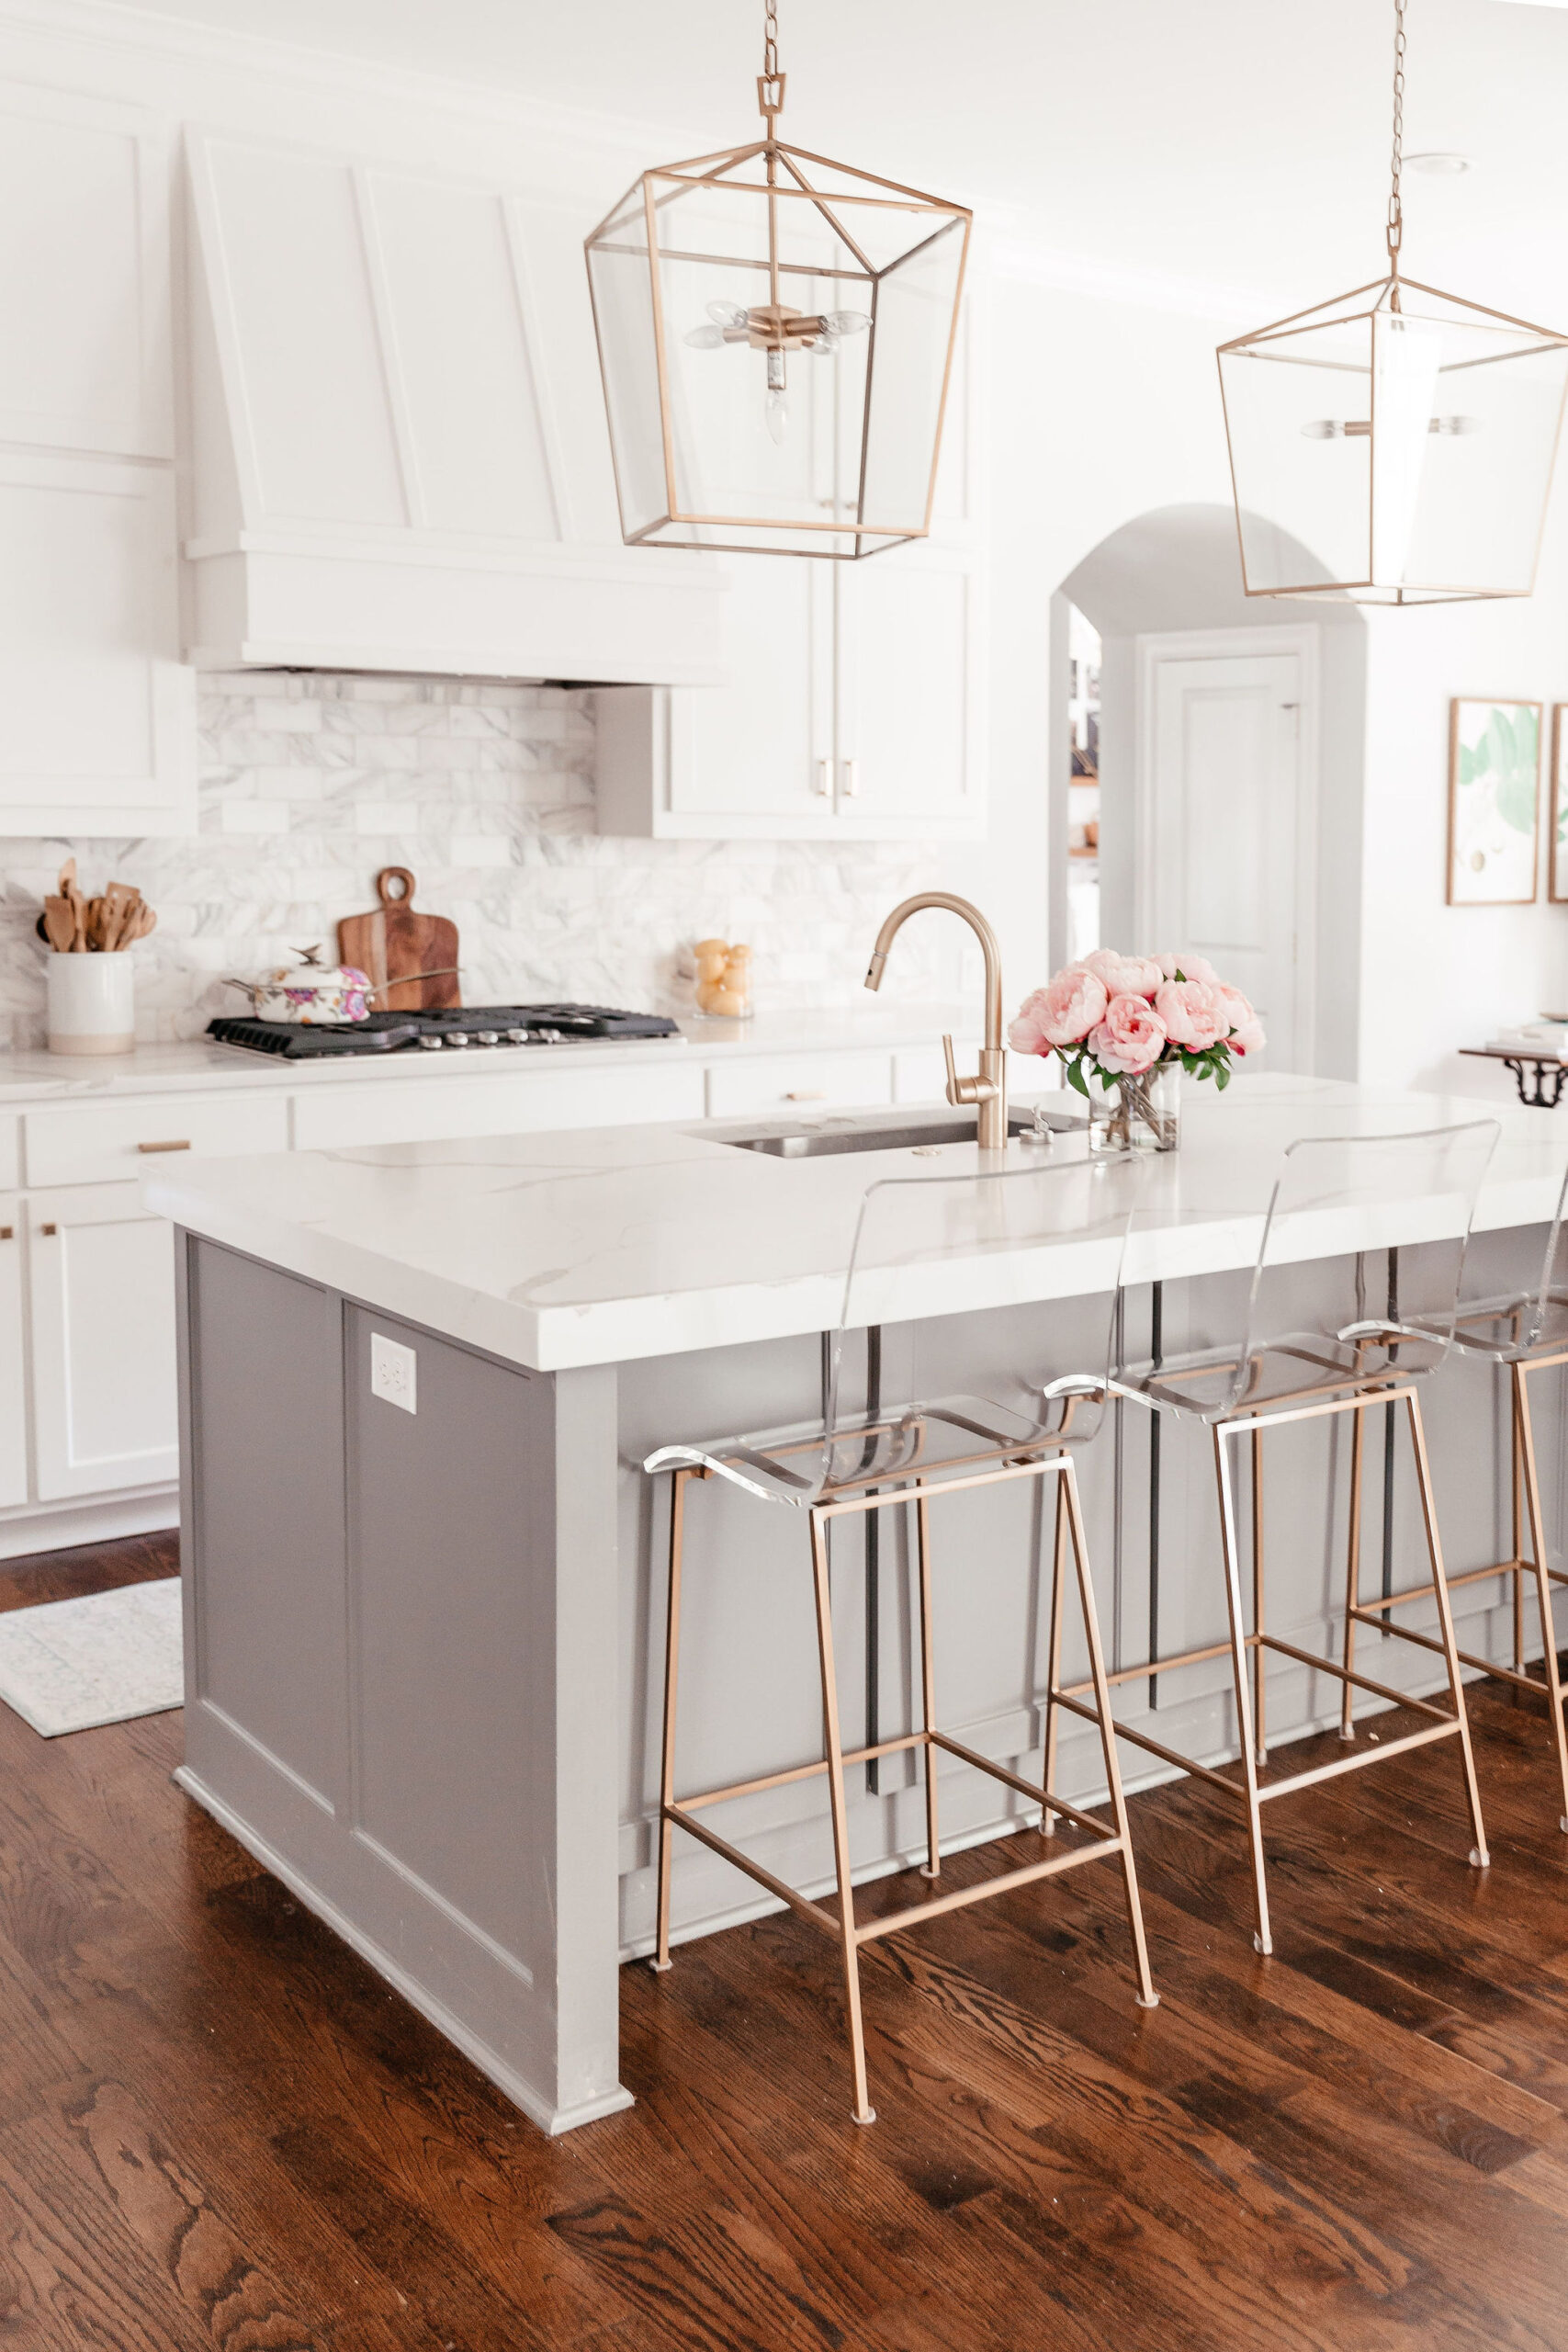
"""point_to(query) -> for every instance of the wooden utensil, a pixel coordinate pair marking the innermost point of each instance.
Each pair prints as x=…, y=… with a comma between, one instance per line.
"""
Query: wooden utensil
x=60, y=924
x=412, y=958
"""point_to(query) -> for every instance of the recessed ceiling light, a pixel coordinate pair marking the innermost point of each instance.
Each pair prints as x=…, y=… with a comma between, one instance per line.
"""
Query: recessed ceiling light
x=1439, y=166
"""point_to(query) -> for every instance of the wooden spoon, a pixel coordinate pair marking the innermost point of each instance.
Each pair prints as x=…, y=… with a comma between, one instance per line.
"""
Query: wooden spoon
x=61, y=925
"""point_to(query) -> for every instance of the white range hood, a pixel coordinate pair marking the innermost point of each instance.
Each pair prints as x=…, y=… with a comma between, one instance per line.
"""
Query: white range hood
x=400, y=460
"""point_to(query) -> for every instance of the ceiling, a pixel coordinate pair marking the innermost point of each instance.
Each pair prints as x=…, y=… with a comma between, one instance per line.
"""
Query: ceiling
x=1238, y=144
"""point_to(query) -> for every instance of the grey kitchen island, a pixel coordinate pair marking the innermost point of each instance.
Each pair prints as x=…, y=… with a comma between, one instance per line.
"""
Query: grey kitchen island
x=423, y=1565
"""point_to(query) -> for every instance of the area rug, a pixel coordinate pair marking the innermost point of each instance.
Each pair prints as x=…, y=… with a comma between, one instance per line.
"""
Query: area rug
x=70, y=1665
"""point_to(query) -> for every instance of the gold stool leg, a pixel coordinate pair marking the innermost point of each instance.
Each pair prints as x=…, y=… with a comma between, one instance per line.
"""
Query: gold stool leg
x=932, y=1865
x=1352, y=1570
x=661, y=1960
x=1259, y=1662
x=1054, y=1654
x=1262, y=1940
x=1525, y=1455
x=1479, y=1856
x=834, y=1749
x=1067, y=1488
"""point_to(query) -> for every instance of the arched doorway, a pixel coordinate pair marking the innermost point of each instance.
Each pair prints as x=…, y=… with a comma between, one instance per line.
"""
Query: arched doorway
x=1228, y=760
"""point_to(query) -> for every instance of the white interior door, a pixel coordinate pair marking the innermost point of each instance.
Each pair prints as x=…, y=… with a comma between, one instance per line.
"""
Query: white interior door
x=1225, y=819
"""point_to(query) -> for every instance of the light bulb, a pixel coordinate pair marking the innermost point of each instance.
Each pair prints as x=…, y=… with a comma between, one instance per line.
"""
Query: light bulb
x=824, y=346
x=846, y=321
x=775, y=409
x=730, y=314
x=706, y=338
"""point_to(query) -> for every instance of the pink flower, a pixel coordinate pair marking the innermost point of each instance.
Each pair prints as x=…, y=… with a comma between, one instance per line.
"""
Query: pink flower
x=1124, y=974
x=1246, y=1030
x=1192, y=967
x=1195, y=1013
x=1060, y=1015
x=1130, y=1038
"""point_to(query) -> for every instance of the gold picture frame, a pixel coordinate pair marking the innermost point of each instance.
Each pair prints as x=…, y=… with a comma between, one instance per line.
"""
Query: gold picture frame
x=1557, y=861
x=1494, y=801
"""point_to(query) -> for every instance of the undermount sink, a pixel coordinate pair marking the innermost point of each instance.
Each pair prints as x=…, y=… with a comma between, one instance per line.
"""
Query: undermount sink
x=886, y=1131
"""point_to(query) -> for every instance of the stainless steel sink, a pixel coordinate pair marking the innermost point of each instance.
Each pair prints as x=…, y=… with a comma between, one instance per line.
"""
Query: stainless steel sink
x=887, y=1130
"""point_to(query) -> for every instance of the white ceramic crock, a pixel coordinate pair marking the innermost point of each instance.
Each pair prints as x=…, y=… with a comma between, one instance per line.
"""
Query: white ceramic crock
x=92, y=1003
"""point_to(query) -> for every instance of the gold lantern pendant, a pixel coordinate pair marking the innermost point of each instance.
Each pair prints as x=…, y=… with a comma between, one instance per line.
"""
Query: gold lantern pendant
x=775, y=337
x=1395, y=446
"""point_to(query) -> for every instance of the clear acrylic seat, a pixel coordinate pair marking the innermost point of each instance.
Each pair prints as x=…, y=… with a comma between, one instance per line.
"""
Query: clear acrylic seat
x=1524, y=1332
x=930, y=1247
x=1353, y=1302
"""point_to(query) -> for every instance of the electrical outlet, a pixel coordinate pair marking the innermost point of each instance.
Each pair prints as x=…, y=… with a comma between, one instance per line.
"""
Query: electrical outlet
x=394, y=1371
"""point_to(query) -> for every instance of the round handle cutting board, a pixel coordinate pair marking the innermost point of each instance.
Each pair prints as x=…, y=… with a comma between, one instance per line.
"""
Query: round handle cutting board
x=412, y=958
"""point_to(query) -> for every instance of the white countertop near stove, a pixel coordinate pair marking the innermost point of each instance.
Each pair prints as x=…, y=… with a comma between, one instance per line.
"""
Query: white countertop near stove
x=34, y=1077
x=601, y=1246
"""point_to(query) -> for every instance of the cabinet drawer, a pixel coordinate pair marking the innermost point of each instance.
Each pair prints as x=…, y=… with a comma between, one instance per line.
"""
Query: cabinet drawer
x=780, y=1082
x=523, y=1102
x=94, y=1143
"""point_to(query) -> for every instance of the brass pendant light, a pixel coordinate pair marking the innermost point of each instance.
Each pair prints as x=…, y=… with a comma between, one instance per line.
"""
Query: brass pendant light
x=1395, y=446
x=775, y=337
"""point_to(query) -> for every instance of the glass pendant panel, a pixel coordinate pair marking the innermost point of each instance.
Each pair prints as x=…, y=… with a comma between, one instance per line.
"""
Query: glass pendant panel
x=781, y=396
x=1392, y=456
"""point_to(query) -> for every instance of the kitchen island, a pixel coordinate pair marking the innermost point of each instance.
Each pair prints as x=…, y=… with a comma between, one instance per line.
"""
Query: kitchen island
x=424, y=1639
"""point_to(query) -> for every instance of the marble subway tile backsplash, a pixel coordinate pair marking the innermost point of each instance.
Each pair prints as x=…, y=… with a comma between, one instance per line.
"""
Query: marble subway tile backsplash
x=309, y=784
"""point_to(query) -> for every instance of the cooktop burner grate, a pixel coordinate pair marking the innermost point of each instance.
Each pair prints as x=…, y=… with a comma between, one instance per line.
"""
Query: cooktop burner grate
x=455, y=1027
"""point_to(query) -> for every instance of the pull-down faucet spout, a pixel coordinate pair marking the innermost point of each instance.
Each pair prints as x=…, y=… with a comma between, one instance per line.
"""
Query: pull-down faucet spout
x=988, y=1089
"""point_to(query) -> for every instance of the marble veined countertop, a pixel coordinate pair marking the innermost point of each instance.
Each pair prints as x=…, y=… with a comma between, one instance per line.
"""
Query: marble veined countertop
x=41, y=1076
x=603, y=1245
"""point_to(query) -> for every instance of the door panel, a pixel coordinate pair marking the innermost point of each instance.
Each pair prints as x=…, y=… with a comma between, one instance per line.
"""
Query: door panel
x=761, y=743
x=1222, y=803
x=103, y=1333
x=905, y=672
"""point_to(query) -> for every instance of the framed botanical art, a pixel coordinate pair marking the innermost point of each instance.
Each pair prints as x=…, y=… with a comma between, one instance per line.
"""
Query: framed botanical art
x=1557, y=868
x=1494, y=802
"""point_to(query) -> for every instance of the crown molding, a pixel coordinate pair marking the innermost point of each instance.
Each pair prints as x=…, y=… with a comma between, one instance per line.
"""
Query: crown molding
x=1026, y=262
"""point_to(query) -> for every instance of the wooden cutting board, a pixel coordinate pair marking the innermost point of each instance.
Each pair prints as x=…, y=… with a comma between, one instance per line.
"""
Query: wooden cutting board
x=412, y=958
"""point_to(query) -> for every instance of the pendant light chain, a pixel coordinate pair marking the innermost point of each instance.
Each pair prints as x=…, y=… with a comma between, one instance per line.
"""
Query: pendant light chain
x=771, y=82
x=1396, y=203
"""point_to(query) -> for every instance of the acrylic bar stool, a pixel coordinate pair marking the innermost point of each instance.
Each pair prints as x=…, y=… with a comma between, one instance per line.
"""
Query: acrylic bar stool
x=1380, y=1191
x=930, y=1247
x=1526, y=1331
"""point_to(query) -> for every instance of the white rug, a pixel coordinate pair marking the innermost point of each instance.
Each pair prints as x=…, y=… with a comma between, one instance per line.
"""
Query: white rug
x=69, y=1665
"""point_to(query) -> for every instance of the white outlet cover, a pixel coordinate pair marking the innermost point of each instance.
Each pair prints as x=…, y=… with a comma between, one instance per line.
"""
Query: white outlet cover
x=394, y=1373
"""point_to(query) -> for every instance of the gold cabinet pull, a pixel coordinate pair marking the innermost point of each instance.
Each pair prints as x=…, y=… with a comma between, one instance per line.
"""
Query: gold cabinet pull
x=7, y=1232
x=182, y=1144
x=47, y=1230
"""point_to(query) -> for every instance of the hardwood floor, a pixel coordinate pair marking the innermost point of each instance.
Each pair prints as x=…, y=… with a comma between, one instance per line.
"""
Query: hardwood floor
x=217, y=2128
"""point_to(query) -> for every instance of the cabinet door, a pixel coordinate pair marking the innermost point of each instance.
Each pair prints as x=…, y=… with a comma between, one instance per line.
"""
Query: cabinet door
x=83, y=275
x=757, y=751
x=98, y=718
x=105, y=1410
x=908, y=643
x=13, y=1388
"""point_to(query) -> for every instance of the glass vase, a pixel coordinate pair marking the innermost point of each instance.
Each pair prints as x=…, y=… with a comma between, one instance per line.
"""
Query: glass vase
x=1137, y=1113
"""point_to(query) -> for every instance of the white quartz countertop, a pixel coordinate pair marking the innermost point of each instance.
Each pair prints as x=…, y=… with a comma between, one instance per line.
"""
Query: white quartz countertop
x=33, y=1077
x=600, y=1246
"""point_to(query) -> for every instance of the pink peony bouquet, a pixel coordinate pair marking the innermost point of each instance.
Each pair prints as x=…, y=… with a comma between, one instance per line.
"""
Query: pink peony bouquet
x=1114, y=1016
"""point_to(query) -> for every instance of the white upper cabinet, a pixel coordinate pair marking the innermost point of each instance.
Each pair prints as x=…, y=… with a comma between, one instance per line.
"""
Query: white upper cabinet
x=380, y=478
x=98, y=719
x=84, y=275
x=855, y=693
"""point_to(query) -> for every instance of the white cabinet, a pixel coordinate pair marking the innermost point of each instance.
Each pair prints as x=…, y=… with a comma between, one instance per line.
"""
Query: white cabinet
x=98, y=718
x=13, y=1359
x=102, y=1318
x=83, y=275
x=853, y=713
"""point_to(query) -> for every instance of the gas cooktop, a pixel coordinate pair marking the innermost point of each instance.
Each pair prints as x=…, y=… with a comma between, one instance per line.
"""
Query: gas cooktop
x=453, y=1028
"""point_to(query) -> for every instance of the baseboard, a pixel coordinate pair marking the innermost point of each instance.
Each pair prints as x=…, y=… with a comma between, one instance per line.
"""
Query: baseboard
x=60, y=1527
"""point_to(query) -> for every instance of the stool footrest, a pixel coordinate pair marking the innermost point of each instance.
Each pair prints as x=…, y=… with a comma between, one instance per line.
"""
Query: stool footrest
x=1422, y=1738
x=983, y=1887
